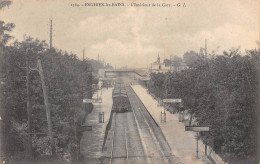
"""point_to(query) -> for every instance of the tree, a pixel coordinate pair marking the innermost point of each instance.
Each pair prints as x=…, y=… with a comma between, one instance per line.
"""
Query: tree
x=5, y=28
x=190, y=58
x=177, y=61
x=221, y=92
x=68, y=80
x=167, y=62
x=5, y=3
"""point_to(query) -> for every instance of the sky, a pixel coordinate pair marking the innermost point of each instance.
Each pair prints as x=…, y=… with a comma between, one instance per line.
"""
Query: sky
x=134, y=36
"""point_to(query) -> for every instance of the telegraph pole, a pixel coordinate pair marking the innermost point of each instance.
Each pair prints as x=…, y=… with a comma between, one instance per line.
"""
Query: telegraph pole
x=48, y=112
x=166, y=96
x=206, y=51
x=51, y=33
x=258, y=43
x=29, y=148
x=197, y=150
x=83, y=54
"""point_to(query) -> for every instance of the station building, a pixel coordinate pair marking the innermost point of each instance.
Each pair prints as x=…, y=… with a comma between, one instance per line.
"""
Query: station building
x=158, y=67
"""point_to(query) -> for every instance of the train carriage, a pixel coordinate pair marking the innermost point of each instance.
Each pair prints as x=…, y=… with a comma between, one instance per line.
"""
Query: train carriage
x=120, y=99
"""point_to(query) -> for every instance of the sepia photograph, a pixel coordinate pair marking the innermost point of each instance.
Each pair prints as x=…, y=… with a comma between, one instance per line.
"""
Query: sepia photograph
x=129, y=82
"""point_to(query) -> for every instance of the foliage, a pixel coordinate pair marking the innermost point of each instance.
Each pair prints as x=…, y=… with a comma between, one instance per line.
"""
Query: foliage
x=4, y=29
x=177, y=61
x=167, y=62
x=190, y=58
x=5, y=3
x=222, y=92
x=97, y=64
x=68, y=81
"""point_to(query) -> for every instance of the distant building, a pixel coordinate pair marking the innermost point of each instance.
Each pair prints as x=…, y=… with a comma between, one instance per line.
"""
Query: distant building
x=178, y=67
x=158, y=67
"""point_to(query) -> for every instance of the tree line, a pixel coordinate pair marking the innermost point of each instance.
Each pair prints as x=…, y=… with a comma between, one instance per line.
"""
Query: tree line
x=68, y=80
x=222, y=92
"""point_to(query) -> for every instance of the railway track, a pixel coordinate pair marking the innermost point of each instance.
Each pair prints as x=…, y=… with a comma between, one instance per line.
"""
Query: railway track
x=119, y=152
x=151, y=144
x=136, y=137
x=126, y=142
x=158, y=149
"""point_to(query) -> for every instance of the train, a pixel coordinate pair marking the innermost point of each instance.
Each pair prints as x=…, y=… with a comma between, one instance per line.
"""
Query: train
x=121, y=101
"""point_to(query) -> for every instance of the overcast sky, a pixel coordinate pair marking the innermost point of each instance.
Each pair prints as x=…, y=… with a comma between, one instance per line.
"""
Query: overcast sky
x=134, y=36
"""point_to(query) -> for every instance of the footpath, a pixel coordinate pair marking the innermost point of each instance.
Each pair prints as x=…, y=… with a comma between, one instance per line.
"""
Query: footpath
x=92, y=141
x=182, y=143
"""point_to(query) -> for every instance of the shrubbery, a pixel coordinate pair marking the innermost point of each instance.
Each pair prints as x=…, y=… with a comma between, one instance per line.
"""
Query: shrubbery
x=68, y=81
x=220, y=91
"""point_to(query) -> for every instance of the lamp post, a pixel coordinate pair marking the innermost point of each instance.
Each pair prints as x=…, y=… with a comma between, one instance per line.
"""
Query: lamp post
x=1, y=141
x=166, y=96
x=2, y=134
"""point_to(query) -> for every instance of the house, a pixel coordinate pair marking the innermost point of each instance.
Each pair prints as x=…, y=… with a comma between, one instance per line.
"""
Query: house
x=178, y=67
x=158, y=67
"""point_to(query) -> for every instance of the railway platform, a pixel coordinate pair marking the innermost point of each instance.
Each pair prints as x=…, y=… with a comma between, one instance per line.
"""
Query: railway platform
x=91, y=142
x=182, y=143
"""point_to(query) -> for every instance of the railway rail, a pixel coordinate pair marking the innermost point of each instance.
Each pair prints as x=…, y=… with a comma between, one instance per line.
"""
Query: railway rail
x=159, y=151
x=137, y=138
x=119, y=151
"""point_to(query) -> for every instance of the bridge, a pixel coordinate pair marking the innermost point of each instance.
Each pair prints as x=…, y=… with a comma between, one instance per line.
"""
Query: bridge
x=112, y=73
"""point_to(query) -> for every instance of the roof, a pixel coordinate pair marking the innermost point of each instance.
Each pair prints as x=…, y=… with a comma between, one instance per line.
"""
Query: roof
x=156, y=63
x=118, y=95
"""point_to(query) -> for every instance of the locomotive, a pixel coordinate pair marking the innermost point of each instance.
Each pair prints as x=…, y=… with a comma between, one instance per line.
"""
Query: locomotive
x=121, y=102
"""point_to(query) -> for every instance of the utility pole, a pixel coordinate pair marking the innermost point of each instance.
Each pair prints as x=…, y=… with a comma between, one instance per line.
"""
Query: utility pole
x=83, y=54
x=97, y=91
x=197, y=150
x=258, y=43
x=48, y=112
x=206, y=51
x=166, y=96
x=29, y=148
x=76, y=137
x=51, y=33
